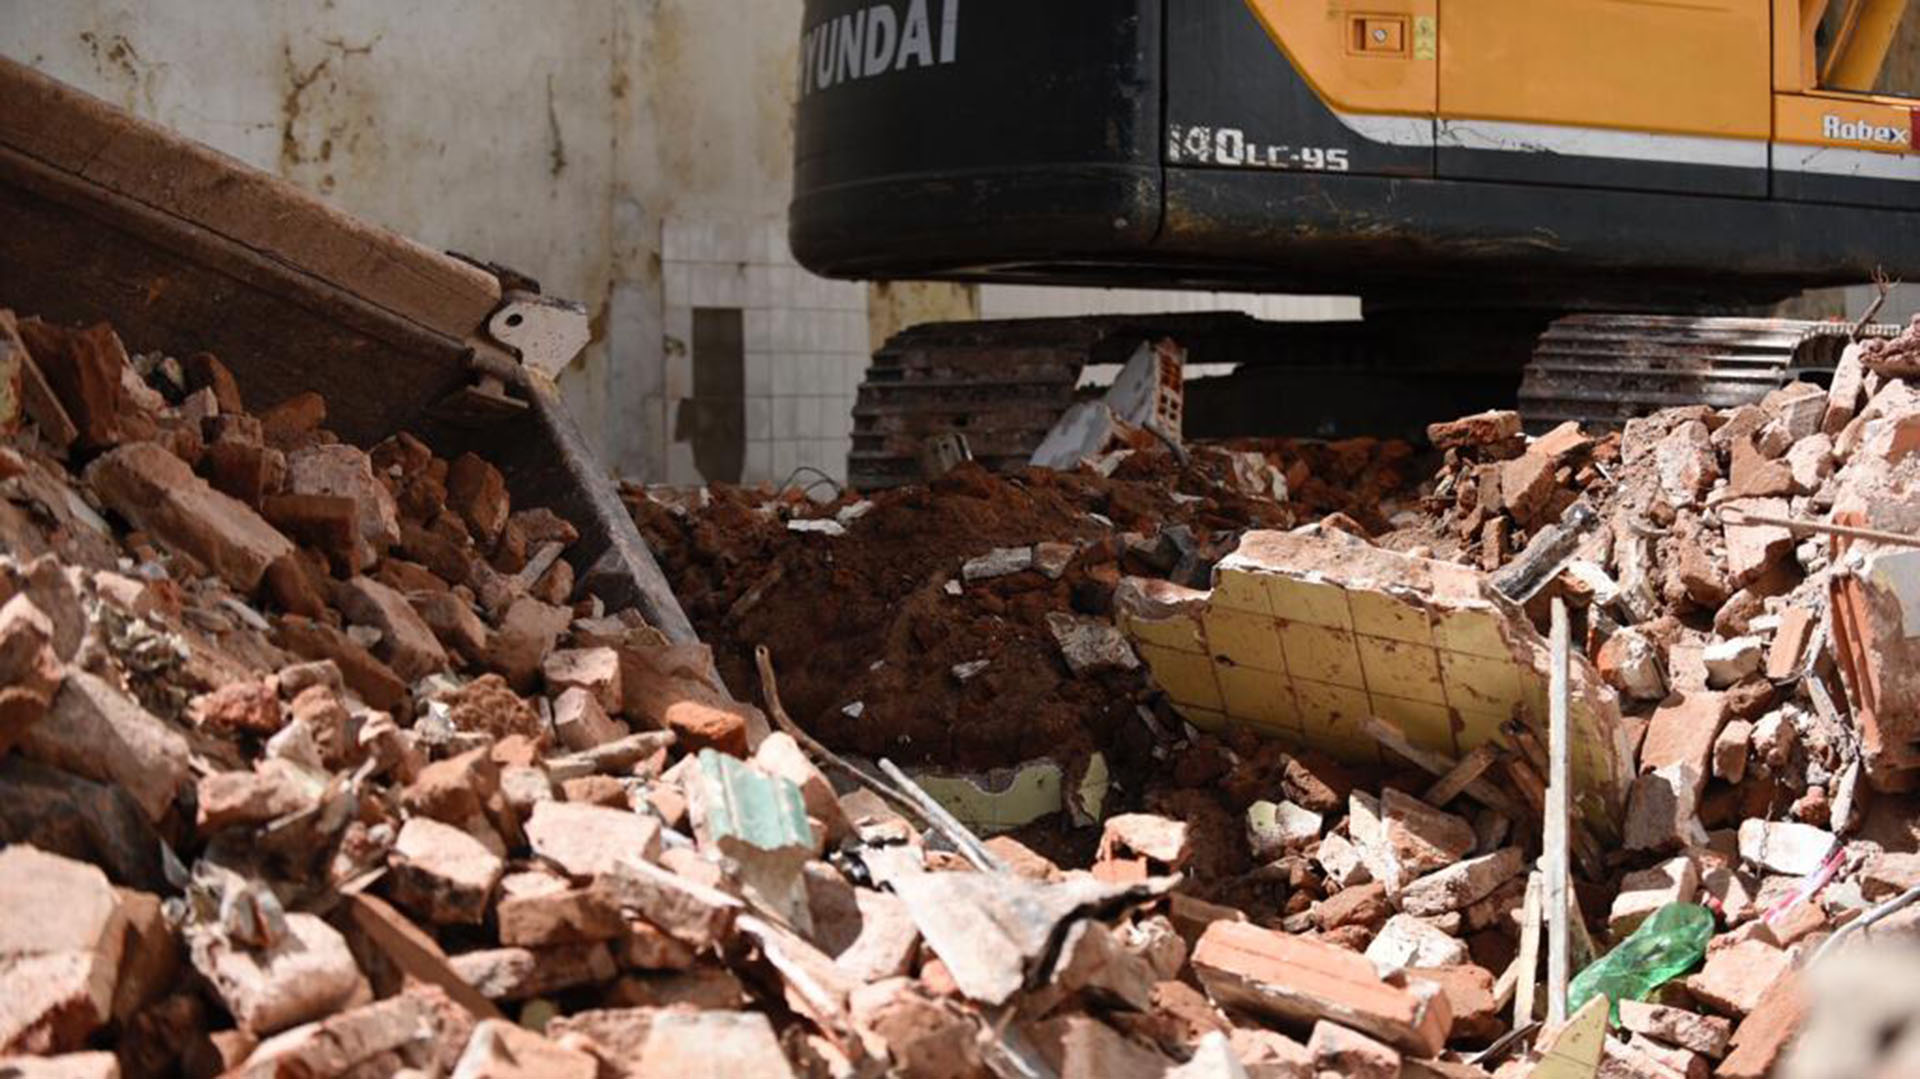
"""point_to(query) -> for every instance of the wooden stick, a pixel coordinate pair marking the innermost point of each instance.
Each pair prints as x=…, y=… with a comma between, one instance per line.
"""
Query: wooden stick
x=770, y=689
x=1438, y=764
x=1528, y=960
x=1469, y=769
x=1793, y=524
x=1554, y=835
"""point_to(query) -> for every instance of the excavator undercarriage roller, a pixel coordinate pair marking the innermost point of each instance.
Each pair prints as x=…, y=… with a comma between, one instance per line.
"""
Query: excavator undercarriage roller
x=1001, y=385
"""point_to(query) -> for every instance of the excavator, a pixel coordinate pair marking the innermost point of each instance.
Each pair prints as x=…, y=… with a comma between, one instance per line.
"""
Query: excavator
x=1591, y=203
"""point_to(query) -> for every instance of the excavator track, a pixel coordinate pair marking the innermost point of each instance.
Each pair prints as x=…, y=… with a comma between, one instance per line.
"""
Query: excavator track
x=1002, y=384
x=1603, y=370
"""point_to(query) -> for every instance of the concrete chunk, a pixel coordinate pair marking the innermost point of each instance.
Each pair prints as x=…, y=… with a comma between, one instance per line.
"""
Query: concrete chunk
x=1461, y=884
x=1407, y=941
x=1784, y=846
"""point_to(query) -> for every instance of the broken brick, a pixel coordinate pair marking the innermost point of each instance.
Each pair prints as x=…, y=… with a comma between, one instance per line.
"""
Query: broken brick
x=1301, y=981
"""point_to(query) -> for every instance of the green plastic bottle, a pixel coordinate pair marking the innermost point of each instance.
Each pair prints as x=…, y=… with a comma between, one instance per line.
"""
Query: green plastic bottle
x=1665, y=946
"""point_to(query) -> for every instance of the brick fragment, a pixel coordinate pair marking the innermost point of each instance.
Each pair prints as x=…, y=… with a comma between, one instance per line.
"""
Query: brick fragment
x=538, y=908
x=1662, y=810
x=1421, y=837
x=690, y=911
x=62, y=935
x=307, y=974
x=345, y=471
x=1469, y=992
x=85, y=368
x=1707, y=1035
x=240, y=708
x=96, y=731
x=1761, y=1038
x=523, y=973
x=478, y=493
x=588, y=840
x=1301, y=981
x=1461, y=884
x=1479, y=429
x=1676, y=880
x=1736, y=978
x=596, y=670
x=160, y=495
x=644, y=1043
x=367, y=1040
x=407, y=644
x=1350, y=1054
x=441, y=873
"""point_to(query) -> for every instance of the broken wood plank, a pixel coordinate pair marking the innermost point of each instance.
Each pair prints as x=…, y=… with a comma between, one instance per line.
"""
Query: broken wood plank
x=1554, y=859
x=1436, y=763
x=414, y=952
x=1461, y=775
x=1528, y=961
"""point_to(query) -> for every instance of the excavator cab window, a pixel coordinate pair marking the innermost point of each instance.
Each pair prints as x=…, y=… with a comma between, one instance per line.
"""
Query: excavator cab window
x=1866, y=46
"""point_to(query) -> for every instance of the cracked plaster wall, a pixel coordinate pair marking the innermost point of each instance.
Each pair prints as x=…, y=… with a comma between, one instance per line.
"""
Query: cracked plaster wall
x=557, y=138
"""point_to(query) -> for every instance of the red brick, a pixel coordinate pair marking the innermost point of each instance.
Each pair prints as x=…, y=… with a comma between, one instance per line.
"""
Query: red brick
x=478, y=493
x=84, y=369
x=1682, y=731
x=1763, y=1035
x=1301, y=981
x=159, y=494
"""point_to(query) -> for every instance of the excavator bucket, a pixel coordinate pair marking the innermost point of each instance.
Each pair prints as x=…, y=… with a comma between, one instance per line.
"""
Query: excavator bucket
x=186, y=250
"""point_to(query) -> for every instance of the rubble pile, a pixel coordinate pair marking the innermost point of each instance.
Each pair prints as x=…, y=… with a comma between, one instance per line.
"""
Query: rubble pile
x=924, y=623
x=1218, y=760
x=1741, y=670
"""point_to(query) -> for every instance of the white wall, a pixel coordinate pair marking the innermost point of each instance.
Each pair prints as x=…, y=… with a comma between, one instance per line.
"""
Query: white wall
x=613, y=149
x=555, y=137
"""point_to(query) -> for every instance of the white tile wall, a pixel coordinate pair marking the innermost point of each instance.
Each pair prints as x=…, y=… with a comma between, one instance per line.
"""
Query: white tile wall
x=805, y=339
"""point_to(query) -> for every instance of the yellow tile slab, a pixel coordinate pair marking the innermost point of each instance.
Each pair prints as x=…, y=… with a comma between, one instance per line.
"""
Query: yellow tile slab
x=1186, y=677
x=1242, y=591
x=1259, y=697
x=1249, y=640
x=1308, y=602
x=1427, y=725
x=1478, y=726
x=1330, y=719
x=1378, y=614
x=1322, y=654
x=1401, y=669
x=1180, y=633
x=1474, y=631
x=1206, y=719
x=1480, y=682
